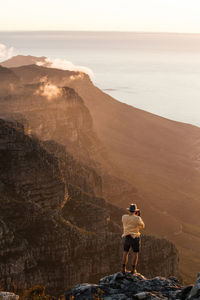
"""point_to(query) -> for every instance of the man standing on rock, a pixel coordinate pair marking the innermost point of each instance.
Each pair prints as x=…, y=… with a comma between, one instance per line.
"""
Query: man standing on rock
x=132, y=223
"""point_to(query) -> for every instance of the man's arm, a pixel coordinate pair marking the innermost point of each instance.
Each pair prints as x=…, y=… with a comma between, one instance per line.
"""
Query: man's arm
x=123, y=221
x=141, y=223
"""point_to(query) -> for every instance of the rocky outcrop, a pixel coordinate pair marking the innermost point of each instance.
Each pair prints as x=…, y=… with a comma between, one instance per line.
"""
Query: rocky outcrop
x=127, y=286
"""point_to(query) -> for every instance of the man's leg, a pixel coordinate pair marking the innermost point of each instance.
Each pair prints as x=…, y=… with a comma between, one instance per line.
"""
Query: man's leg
x=124, y=261
x=136, y=249
x=125, y=257
x=134, y=262
x=125, y=253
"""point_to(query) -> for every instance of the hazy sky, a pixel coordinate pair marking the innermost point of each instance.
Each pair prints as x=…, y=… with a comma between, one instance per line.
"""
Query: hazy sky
x=105, y=15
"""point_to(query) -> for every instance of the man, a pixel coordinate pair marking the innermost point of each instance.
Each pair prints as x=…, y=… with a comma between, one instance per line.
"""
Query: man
x=131, y=226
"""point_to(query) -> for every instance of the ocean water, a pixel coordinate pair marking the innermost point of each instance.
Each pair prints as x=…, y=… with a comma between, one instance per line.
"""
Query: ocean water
x=156, y=72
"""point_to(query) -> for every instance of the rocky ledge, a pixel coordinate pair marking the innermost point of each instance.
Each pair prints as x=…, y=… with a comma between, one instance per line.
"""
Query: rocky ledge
x=121, y=286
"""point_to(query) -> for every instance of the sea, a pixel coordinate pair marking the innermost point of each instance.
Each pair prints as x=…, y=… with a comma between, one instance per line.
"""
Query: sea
x=156, y=72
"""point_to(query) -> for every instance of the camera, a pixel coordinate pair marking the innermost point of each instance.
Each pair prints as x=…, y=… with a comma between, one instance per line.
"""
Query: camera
x=137, y=212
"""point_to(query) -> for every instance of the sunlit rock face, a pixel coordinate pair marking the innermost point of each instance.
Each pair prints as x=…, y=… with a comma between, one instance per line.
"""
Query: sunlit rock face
x=53, y=110
x=54, y=113
x=54, y=230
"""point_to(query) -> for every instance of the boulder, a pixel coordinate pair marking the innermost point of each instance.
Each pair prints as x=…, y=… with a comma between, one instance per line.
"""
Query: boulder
x=8, y=296
x=195, y=291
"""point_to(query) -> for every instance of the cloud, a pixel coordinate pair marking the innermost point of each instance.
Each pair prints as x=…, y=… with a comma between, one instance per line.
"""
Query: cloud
x=48, y=90
x=65, y=65
x=5, y=52
x=57, y=63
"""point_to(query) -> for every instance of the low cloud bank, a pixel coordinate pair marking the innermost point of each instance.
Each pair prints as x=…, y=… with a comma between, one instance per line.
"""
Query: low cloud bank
x=57, y=63
x=5, y=52
x=65, y=65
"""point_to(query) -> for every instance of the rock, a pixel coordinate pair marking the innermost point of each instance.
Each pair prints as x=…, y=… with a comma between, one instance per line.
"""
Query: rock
x=127, y=286
x=185, y=292
x=195, y=291
x=146, y=295
x=142, y=295
x=8, y=296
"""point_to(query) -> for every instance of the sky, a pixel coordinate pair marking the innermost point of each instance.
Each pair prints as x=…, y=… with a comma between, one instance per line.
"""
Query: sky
x=102, y=15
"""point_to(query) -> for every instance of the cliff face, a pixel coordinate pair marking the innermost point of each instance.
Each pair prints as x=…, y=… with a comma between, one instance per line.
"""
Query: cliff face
x=39, y=246
x=46, y=235
x=52, y=111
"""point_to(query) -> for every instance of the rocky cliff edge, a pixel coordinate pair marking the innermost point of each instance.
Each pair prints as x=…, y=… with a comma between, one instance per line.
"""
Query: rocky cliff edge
x=121, y=286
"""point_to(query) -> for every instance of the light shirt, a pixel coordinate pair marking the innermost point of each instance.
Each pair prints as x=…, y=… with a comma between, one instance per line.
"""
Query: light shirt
x=132, y=225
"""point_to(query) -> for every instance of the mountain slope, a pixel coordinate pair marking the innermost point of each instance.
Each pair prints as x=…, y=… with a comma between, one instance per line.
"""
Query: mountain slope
x=161, y=159
x=163, y=154
x=41, y=242
x=157, y=161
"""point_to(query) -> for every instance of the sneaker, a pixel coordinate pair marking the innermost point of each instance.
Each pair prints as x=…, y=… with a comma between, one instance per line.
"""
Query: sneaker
x=133, y=271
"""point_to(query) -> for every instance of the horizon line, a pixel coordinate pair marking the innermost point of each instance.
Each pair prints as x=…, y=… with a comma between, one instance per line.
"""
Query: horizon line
x=101, y=31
